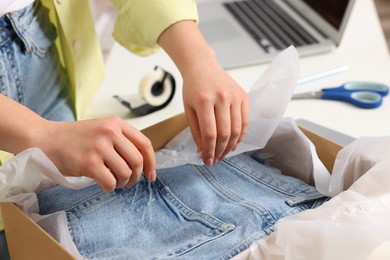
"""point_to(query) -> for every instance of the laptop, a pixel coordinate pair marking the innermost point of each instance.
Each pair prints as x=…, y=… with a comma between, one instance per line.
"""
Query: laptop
x=248, y=32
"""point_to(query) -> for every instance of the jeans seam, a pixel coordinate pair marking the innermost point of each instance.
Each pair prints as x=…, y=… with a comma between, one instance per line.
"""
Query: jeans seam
x=206, y=219
x=83, y=201
x=15, y=72
x=232, y=197
x=260, y=181
x=295, y=198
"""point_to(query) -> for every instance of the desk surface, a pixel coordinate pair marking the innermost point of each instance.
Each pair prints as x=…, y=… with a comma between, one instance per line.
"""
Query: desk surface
x=363, y=49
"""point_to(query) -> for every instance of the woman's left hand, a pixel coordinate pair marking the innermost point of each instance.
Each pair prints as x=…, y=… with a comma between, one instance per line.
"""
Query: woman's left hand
x=216, y=107
x=217, y=111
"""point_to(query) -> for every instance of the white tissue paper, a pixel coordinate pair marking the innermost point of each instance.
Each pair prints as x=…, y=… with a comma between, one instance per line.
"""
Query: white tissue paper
x=352, y=225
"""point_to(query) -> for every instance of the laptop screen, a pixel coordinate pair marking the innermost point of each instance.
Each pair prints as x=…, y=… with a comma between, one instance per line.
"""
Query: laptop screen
x=331, y=10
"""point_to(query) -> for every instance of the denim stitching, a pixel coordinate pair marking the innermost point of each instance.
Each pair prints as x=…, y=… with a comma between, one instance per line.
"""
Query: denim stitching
x=217, y=227
x=293, y=196
x=209, y=220
x=258, y=180
x=230, y=196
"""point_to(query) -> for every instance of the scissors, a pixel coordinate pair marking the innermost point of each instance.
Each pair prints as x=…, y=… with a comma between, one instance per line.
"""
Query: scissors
x=360, y=94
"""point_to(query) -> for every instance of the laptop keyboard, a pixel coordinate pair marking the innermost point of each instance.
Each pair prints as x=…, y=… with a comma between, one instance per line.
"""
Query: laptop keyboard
x=269, y=24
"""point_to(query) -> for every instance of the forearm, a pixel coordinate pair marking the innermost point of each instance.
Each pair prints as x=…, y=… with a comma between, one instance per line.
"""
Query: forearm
x=187, y=47
x=19, y=126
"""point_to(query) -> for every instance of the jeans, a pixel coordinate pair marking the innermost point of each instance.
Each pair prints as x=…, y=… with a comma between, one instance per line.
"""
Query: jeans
x=190, y=211
x=30, y=69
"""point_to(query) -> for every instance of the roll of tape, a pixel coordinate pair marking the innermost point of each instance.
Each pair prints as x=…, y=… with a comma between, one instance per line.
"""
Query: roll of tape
x=155, y=92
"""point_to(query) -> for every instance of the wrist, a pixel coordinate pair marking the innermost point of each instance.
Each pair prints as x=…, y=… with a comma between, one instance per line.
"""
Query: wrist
x=36, y=133
x=201, y=60
x=187, y=47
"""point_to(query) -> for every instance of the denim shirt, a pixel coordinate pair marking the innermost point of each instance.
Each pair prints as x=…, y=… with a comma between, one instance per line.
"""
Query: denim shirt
x=190, y=211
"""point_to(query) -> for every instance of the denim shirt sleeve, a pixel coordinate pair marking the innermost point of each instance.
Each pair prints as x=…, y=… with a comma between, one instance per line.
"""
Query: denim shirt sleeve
x=140, y=22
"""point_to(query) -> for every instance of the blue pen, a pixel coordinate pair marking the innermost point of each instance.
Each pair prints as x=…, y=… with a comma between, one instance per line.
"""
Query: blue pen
x=360, y=94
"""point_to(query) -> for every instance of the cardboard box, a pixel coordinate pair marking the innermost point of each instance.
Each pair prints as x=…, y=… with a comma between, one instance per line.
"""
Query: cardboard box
x=26, y=240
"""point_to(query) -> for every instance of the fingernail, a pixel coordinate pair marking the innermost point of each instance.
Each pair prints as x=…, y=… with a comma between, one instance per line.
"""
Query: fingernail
x=129, y=185
x=216, y=161
x=152, y=175
x=209, y=162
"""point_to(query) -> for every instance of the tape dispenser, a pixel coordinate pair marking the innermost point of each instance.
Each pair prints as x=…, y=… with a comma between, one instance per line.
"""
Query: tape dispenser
x=156, y=90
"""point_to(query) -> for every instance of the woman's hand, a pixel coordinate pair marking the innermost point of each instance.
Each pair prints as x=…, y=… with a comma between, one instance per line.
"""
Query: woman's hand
x=217, y=112
x=216, y=106
x=107, y=150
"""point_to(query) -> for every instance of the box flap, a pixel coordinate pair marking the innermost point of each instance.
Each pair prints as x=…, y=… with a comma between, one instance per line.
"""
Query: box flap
x=161, y=133
x=326, y=149
x=26, y=240
x=328, y=142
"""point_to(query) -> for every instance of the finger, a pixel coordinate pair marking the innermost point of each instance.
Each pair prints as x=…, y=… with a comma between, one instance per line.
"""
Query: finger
x=192, y=120
x=223, y=121
x=134, y=159
x=145, y=159
x=137, y=170
x=236, y=126
x=208, y=132
x=245, y=113
x=91, y=165
x=102, y=176
x=119, y=168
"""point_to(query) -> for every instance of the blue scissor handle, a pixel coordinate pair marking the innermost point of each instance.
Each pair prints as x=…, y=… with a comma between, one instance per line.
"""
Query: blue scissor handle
x=379, y=88
x=361, y=94
x=363, y=99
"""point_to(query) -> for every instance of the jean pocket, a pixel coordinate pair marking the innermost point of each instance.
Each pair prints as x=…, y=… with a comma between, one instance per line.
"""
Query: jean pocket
x=273, y=183
x=39, y=35
x=147, y=221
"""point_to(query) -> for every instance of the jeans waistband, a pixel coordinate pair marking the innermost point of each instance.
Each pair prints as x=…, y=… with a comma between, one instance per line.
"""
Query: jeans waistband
x=13, y=24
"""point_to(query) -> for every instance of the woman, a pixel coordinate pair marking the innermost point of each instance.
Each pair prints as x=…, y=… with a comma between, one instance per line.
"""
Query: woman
x=51, y=64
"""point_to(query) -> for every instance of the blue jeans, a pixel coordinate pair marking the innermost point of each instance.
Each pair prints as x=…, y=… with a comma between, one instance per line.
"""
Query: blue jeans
x=30, y=70
x=190, y=211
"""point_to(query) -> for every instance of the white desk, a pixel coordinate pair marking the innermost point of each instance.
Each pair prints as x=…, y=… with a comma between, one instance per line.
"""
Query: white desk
x=363, y=49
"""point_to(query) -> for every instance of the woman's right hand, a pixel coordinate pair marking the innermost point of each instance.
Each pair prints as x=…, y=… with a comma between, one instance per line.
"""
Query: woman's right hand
x=108, y=150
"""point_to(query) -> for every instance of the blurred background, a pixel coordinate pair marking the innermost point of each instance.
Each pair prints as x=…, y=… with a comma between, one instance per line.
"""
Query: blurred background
x=104, y=13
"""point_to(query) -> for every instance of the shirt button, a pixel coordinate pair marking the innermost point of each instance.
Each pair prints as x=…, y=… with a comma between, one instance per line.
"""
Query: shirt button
x=60, y=1
x=76, y=45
